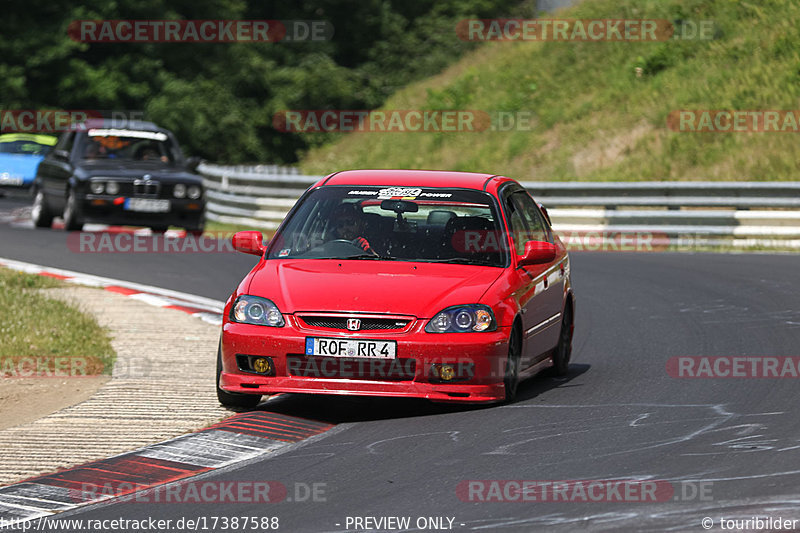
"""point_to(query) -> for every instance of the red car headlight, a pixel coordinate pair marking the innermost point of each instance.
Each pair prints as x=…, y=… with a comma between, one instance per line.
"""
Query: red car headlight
x=256, y=310
x=463, y=319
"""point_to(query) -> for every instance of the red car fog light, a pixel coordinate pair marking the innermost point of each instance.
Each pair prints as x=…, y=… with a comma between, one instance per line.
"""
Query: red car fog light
x=446, y=372
x=262, y=365
x=255, y=364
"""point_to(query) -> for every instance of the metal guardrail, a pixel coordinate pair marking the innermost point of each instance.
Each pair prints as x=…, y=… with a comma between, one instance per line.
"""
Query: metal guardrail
x=682, y=213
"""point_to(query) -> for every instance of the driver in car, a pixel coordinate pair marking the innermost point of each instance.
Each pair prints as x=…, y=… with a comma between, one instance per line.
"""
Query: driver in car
x=94, y=150
x=348, y=224
x=150, y=153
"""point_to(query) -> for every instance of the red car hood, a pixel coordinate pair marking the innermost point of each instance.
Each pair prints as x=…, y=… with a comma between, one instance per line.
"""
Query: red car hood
x=418, y=289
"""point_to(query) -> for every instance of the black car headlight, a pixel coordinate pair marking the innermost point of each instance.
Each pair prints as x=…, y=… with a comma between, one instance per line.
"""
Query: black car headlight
x=463, y=319
x=255, y=310
x=194, y=192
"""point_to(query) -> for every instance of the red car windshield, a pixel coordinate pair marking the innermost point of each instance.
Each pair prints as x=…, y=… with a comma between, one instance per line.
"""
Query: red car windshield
x=395, y=223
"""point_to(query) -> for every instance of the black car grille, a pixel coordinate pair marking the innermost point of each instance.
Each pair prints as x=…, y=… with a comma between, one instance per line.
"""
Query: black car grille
x=146, y=187
x=366, y=324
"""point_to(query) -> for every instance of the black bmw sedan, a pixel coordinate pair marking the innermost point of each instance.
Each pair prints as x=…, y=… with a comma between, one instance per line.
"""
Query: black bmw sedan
x=123, y=174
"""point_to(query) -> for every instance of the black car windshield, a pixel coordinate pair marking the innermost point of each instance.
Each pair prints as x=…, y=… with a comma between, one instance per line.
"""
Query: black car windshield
x=446, y=225
x=26, y=144
x=128, y=145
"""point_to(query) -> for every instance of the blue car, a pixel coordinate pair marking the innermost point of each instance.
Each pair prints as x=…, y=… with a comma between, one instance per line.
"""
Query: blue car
x=20, y=155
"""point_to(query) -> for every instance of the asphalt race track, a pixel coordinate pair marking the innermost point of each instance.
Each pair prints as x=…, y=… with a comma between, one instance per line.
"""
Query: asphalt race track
x=730, y=448
x=213, y=275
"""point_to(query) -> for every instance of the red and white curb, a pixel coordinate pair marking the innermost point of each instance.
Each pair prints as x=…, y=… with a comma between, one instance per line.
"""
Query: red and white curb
x=206, y=309
x=239, y=438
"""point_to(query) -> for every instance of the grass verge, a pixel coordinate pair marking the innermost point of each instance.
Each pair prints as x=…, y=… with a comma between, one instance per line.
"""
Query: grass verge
x=221, y=229
x=600, y=109
x=41, y=336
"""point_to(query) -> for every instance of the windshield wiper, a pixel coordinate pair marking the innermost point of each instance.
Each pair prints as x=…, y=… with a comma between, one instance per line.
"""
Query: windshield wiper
x=460, y=261
x=371, y=256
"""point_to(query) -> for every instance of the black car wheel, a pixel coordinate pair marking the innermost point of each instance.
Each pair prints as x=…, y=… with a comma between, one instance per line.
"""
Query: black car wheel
x=229, y=399
x=72, y=216
x=563, y=351
x=40, y=213
x=511, y=379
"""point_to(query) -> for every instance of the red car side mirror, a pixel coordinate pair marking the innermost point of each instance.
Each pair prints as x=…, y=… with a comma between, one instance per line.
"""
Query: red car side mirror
x=536, y=253
x=249, y=242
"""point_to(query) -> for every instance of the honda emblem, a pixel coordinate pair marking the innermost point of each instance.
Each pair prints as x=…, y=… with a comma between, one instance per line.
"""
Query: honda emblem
x=353, y=324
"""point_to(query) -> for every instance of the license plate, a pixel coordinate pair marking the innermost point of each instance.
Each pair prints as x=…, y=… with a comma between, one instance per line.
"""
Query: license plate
x=364, y=348
x=7, y=179
x=147, y=205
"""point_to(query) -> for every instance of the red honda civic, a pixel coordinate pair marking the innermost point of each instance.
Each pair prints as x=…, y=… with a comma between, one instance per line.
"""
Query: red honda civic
x=449, y=286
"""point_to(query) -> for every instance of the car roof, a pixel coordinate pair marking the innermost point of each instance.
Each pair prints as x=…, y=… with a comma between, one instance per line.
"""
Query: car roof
x=411, y=178
x=40, y=138
x=103, y=123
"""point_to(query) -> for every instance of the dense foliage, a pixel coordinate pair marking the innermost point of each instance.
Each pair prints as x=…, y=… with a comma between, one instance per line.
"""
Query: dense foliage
x=220, y=98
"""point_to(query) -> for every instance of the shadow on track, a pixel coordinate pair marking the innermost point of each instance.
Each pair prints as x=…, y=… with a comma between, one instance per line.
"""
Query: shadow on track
x=342, y=409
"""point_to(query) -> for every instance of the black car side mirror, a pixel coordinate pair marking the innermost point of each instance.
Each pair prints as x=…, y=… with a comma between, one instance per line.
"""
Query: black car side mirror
x=193, y=162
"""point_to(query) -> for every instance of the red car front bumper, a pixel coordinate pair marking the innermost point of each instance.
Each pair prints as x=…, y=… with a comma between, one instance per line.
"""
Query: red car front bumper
x=479, y=359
